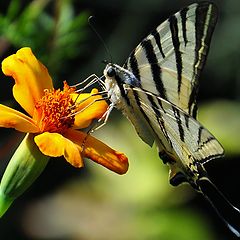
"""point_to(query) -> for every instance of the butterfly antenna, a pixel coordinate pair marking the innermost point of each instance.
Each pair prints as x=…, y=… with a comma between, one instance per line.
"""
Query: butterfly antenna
x=90, y=19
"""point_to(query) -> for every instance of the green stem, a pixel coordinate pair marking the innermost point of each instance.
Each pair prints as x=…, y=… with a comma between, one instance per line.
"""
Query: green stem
x=23, y=169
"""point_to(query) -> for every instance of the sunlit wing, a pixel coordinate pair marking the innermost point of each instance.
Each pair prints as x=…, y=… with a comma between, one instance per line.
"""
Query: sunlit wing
x=168, y=61
x=185, y=135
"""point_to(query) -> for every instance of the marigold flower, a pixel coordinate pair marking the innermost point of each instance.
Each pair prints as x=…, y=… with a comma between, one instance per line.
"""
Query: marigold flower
x=53, y=121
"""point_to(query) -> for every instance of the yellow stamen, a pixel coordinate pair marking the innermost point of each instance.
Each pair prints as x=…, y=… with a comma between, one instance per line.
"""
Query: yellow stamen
x=55, y=110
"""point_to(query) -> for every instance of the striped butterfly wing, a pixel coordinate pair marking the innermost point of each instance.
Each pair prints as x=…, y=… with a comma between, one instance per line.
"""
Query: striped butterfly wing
x=168, y=61
x=177, y=130
x=156, y=90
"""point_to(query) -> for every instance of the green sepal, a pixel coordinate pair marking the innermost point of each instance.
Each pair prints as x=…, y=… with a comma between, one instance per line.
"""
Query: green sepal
x=23, y=169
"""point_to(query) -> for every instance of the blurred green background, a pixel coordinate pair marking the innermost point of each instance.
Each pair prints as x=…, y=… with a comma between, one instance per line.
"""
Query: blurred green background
x=93, y=203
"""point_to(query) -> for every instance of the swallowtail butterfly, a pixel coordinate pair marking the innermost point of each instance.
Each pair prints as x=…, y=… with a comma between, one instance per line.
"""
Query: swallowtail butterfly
x=156, y=90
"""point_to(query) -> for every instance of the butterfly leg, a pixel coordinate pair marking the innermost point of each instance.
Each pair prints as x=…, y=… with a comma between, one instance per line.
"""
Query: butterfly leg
x=104, y=118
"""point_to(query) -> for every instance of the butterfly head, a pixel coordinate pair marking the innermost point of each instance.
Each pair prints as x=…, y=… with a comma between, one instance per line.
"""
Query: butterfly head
x=110, y=71
x=113, y=72
x=120, y=75
x=117, y=81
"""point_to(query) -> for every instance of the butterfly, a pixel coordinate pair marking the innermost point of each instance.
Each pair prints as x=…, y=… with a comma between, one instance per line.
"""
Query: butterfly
x=156, y=90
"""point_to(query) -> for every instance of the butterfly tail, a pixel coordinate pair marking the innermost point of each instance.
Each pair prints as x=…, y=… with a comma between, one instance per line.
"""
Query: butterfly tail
x=226, y=211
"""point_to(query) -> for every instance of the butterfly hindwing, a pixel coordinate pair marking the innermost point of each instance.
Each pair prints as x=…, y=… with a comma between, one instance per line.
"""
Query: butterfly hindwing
x=177, y=129
x=169, y=60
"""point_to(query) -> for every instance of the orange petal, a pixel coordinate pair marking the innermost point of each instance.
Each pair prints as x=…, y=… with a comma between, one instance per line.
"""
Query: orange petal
x=31, y=78
x=99, y=152
x=88, y=109
x=55, y=145
x=10, y=118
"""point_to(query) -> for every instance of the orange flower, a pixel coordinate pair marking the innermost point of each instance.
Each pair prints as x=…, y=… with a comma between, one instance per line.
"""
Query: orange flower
x=55, y=116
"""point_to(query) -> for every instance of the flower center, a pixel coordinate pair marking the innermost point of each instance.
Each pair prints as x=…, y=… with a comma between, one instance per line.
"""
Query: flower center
x=55, y=110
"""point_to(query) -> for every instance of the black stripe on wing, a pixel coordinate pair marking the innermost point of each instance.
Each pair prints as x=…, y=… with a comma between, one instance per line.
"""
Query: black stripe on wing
x=176, y=44
x=186, y=118
x=155, y=68
x=134, y=65
x=157, y=38
x=159, y=117
x=179, y=123
x=183, y=14
x=206, y=18
x=139, y=104
x=122, y=90
x=210, y=157
x=200, y=134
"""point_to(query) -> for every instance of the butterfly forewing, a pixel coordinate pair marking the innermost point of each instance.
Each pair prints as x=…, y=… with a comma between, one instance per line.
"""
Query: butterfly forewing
x=168, y=62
